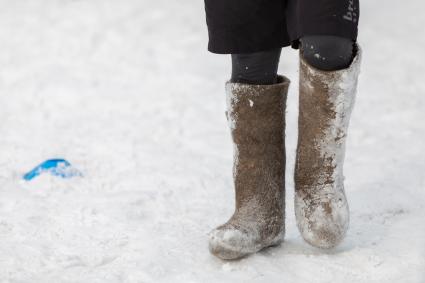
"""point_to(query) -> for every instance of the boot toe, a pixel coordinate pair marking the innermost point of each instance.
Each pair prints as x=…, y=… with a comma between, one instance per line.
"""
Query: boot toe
x=230, y=244
x=322, y=228
x=324, y=237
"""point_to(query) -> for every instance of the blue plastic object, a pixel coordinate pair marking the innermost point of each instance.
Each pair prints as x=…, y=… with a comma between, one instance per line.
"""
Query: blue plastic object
x=56, y=167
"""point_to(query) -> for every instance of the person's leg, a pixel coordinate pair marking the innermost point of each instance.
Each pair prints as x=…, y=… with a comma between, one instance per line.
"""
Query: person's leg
x=326, y=32
x=259, y=68
x=256, y=99
x=256, y=102
x=327, y=52
x=328, y=83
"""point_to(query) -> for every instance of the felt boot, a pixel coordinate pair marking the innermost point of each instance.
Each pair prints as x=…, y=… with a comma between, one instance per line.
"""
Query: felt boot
x=326, y=100
x=256, y=116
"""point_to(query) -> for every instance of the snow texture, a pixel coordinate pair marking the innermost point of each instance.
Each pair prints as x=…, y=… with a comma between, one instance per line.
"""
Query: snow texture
x=126, y=91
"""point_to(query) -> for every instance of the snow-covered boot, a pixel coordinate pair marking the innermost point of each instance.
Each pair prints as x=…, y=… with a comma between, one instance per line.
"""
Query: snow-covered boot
x=325, y=104
x=256, y=116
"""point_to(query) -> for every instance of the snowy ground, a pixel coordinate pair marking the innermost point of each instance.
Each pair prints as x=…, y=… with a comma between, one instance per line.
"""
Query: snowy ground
x=127, y=92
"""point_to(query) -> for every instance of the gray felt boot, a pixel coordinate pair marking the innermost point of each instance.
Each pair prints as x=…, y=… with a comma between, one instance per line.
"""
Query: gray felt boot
x=326, y=101
x=256, y=115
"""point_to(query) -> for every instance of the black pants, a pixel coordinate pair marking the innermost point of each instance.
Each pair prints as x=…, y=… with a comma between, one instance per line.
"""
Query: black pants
x=247, y=26
x=329, y=53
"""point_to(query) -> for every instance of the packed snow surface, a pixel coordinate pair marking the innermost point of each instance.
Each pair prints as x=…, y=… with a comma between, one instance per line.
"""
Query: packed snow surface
x=126, y=91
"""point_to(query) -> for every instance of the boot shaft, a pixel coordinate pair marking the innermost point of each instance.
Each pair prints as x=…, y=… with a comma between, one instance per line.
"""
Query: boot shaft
x=326, y=100
x=256, y=115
